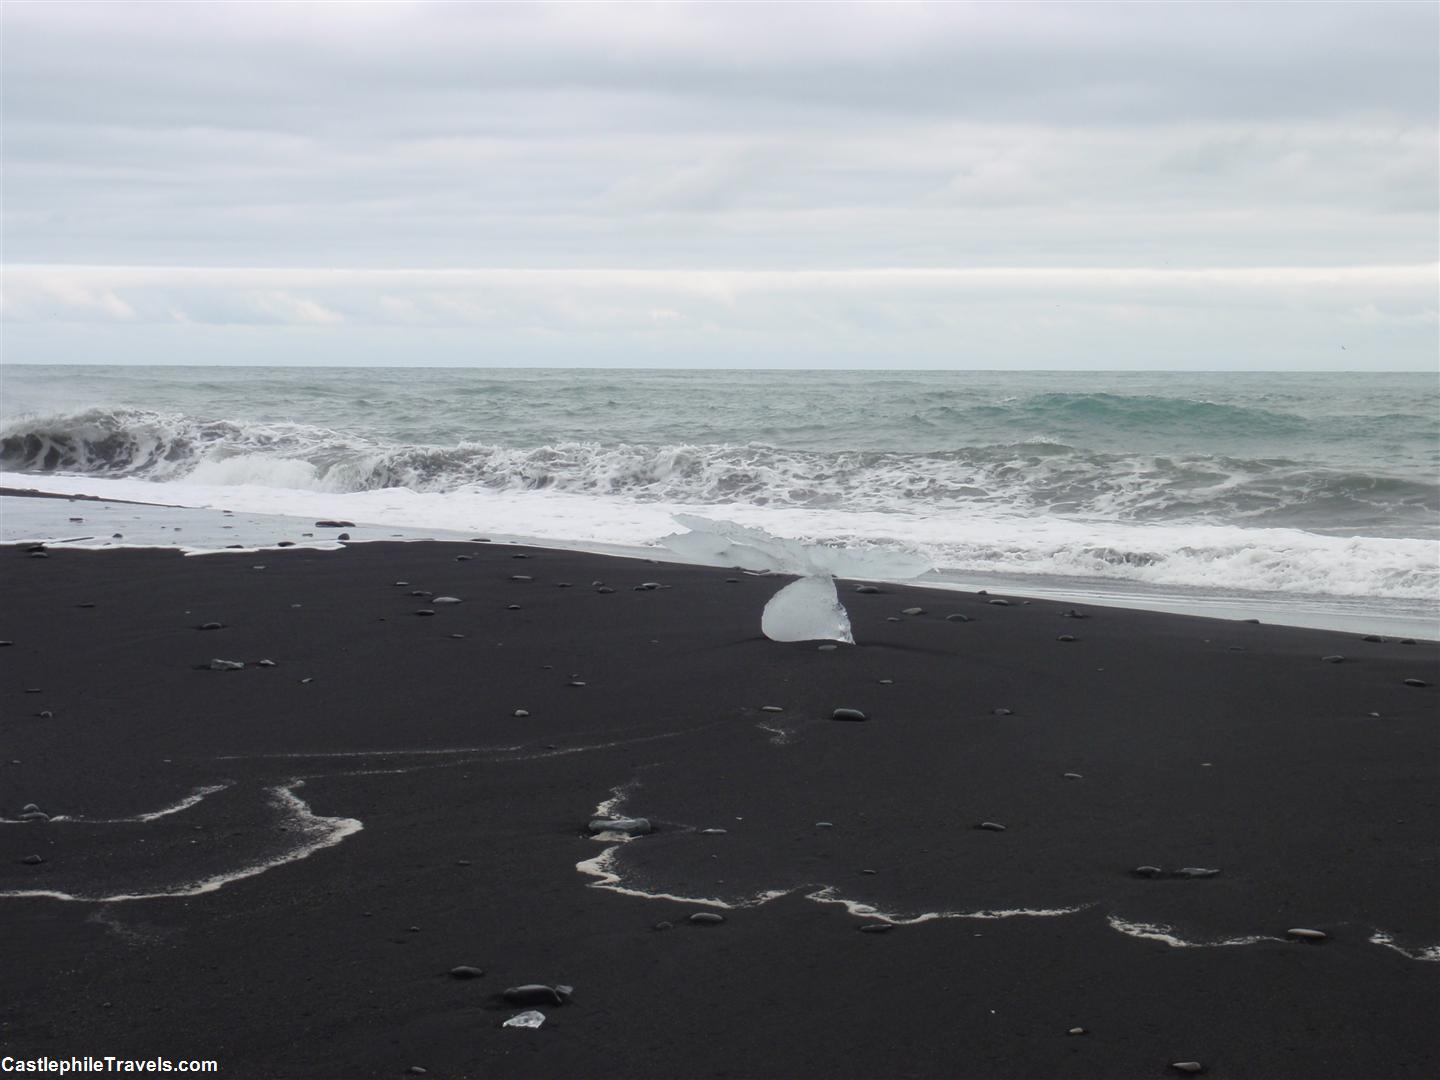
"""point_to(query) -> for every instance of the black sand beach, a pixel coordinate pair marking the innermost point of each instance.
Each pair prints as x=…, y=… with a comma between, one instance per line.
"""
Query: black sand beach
x=369, y=813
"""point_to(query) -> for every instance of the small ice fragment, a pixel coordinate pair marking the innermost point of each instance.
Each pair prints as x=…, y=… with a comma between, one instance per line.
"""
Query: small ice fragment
x=530, y=1018
x=806, y=610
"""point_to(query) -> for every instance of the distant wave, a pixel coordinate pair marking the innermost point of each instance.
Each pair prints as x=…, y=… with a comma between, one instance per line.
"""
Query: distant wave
x=1034, y=477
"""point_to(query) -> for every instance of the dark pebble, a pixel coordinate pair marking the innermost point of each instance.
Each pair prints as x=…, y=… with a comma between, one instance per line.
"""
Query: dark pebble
x=33, y=860
x=521, y=577
x=1187, y=1066
x=605, y=589
x=999, y=603
x=421, y=592
x=1407, y=641
x=1195, y=872
x=86, y=605
x=875, y=928
x=663, y=924
x=286, y=543
x=865, y=589
x=913, y=611
x=1003, y=712
x=1372, y=637
x=334, y=524
x=1066, y=637
x=424, y=611
x=534, y=994
x=1304, y=934
x=562, y=584
x=1416, y=682
x=344, y=536
x=1337, y=659
x=706, y=918
x=991, y=826
x=1148, y=872
x=212, y=626
x=464, y=971
x=264, y=663
x=519, y=556
x=957, y=617
x=512, y=607
x=848, y=714
x=45, y=714
x=1073, y=614
x=4, y=644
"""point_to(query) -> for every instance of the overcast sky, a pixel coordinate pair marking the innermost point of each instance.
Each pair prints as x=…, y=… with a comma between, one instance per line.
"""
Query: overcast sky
x=1156, y=185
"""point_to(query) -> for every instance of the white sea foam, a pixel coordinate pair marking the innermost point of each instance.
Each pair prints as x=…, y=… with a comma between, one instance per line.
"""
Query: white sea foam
x=305, y=833
x=1167, y=934
x=1428, y=953
x=193, y=799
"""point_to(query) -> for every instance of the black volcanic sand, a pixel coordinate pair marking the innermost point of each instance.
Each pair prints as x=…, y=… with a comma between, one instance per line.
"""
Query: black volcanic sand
x=1199, y=743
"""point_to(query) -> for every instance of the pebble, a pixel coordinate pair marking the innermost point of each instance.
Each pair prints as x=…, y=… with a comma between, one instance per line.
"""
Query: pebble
x=522, y=713
x=402, y=584
x=892, y=618
x=38, y=555
x=1148, y=872
x=34, y=690
x=1077, y=1031
x=424, y=611
x=286, y=543
x=45, y=714
x=33, y=860
x=446, y=600
x=34, y=815
x=457, y=635
x=648, y=585
x=521, y=577
x=512, y=607
x=1066, y=637
x=1372, y=637
x=265, y=663
x=328, y=524
x=713, y=832
x=706, y=918
x=226, y=665
x=1416, y=682
x=957, y=617
x=519, y=556
x=875, y=928
x=1407, y=641
x=886, y=682
x=3, y=644
x=212, y=626
x=417, y=1070
x=346, y=536
x=1337, y=659
x=85, y=605
x=1003, y=712
x=534, y=994
x=1073, y=776
x=1195, y=872
x=867, y=589
x=636, y=826
x=465, y=971
x=912, y=611
x=562, y=584
x=1187, y=1066
x=604, y=589
x=421, y=592
x=663, y=924
x=1073, y=614
x=29, y=808
x=997, y=602
x=991, y=826
x=576, y=682
x=732, y=581
x=848, y=714
x=827, y=648
x=1305, y=934
x=771, y=708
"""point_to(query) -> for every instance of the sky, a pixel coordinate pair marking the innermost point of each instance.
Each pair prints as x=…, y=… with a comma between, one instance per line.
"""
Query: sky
x=850, y=185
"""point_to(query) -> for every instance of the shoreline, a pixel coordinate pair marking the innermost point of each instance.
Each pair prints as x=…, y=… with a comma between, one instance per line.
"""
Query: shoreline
x=376, y=812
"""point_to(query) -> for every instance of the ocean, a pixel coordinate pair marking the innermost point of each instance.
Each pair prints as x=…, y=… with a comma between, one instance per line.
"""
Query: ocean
x=1285, y=493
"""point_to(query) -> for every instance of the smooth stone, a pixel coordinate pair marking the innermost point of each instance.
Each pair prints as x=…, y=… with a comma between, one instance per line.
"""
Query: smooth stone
x=265, y=663
x=33, y=860
x=421, y=592
x=88, y=605
x=512, y=607
x=446, y=600
x=38, y=555
x=518, y=556
x=706, y=918
x=604, y=589
x=957, y=617
x=521, y=577
x=3, y=644
x=522, y=713
x=402, y=583
x=424, y=611
x=28, y=807
x=576, y=682
x=1077, y=1031
x=328, y=524
x=45, y=714
x=1195, y=872
x=1066, y=637
x=286, y=543
x=1416, y=682
x=827, y=648
x=1073, y=614
x=869, y=873
x=875, y=928
x=1073, y=776
x=991, y=826
x=465, y=971
x=867, y=589
x=212, y=626
x=1003, y=712
x=562, y=584
x=1306, y=934
x=1187, y=1066
x=1372, y=637
x=1333, y=659
x=912, y=611
x=892, y=618
x=346, y=536
x=534, y=994
x=634, y=826
x=457, y=636
x=1148, y=872
x=713, y=832
x=848, y=714
x=34, y=815
x=226, y=665
x=771, y=708
x=886, y=682
x=417, y=1070
x=997, y=602
x=824, y=824
x=732, y=581
x=663, y=924
x=648, y=585
x=34, y=690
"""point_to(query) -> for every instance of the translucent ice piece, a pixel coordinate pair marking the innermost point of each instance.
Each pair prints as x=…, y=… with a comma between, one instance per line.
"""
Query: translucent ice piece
x=530, y=1018
x=806, y=610
x=724, y=543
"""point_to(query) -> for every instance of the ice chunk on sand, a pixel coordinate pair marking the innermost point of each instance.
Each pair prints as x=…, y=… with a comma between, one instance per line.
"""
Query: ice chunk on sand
x=806, y=610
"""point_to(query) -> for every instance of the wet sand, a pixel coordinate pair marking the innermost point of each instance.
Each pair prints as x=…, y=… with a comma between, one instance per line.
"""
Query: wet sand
x=313, y=844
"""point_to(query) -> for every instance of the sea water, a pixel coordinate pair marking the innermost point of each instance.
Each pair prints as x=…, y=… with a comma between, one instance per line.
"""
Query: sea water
x=1276, y=492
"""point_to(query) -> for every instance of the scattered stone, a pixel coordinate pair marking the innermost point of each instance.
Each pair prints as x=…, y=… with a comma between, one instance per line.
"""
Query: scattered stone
x=1407, y=641
x=1148, y=872
x=45, y=714
x=1077, y=1031
x=1195, y=872
x=334, y=524
x=827, y=648
x=512, y=607
x=663, y=924
x=912, y=611
x=265, y=663
x=420, y=592
x=706, y=918
x=632, y=826
x=713, y=832
x=5, y=644
x=1187, y=1066
x=1372, y=638
x=33, y=860
x=286, y=543
x=346, y=536
x=997, y=602
x=604, y=589
x=1066, y=637
x=848, y=714
x=212, y=626
x=886, y=682
x=1072, y=613
x=991, y=826
x=957, y=617
x=1073, y=776
x=34, y=815
x=424, y=611
x=1304, y=934
x=521, y=713
x=1416, y=682
x=876, y=928
x=867, y=589
x=534, y=994
x=562, y=584
x=446, y=600
x=1003, y=712
x=1337, y=659
x=465, y=971
x=402, y=584
x=892, y=618
x=521, y=577
x=226, y=665
x=771, y=708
